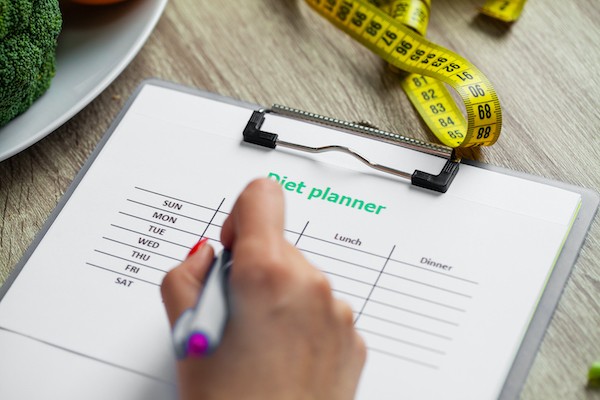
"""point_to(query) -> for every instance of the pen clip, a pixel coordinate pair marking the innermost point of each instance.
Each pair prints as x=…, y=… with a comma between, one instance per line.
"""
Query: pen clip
x=440, y=183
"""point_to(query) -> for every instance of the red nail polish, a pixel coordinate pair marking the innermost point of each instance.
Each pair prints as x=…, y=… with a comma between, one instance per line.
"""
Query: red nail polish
x=200, y=243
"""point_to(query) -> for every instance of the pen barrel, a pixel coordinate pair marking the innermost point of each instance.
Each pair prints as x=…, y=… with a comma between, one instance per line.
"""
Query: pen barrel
x=199, y=331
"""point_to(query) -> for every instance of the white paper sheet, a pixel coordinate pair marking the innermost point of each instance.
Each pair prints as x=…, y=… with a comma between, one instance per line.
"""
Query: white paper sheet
x=443, y=286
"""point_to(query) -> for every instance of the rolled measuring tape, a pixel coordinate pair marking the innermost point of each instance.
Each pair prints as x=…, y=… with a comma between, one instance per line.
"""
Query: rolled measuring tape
x=395, y=31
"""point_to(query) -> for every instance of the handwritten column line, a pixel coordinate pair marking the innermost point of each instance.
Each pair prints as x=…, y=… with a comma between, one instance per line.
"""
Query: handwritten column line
x=212, y=218
x=301, y=233
x=374, y=285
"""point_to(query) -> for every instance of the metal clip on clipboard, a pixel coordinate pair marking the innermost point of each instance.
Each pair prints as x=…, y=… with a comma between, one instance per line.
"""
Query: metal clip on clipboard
x=438, y=183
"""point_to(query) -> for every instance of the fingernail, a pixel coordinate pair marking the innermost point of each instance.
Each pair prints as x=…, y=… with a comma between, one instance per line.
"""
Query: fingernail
x=200, y=243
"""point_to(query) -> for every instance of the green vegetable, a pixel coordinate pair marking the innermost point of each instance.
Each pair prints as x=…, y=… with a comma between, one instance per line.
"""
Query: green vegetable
x=594, y=375
x=28, y=33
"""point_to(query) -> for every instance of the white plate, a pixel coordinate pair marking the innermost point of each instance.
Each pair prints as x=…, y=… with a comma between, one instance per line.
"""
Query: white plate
x=94, y=47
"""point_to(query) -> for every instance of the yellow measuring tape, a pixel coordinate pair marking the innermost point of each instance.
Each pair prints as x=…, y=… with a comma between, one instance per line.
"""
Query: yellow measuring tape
x=395, y=31
x=504, y=10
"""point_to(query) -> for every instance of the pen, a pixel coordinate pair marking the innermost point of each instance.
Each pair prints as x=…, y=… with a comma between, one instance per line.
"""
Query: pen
x=198, y=330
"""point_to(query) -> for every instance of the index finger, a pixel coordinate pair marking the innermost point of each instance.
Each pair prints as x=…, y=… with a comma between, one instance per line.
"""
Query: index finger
x=257, y=215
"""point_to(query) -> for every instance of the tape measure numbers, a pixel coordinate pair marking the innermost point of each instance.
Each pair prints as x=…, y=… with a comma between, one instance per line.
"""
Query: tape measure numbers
x=504, y=10
x=414, y=14
x=428, y=65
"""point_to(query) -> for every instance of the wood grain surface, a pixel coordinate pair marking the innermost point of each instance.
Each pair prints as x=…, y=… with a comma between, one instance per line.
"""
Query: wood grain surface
x=545, y=67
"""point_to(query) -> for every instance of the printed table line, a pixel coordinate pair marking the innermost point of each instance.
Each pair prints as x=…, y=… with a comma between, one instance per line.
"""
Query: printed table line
x=435, y=272
x=387, y=353
x=167, y=210
x=429, y=285
x=130, y=261
x=142, y=249
x=174, y=198
x=150, y=236
x=414, y=312
x=119, y=273
x=412, y=296
x=414, y=328
x=406, y=342
x=338, y=259
x=158, y=223
x=345, y=246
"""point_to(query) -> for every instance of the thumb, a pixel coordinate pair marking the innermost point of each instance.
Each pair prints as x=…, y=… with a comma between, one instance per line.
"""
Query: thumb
x=182, y=285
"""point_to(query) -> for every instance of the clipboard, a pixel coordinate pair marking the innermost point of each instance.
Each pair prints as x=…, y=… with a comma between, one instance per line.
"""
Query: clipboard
x=546, y=304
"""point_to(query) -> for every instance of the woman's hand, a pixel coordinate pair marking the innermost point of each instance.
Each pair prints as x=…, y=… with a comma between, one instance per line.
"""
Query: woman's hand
x=287, y=337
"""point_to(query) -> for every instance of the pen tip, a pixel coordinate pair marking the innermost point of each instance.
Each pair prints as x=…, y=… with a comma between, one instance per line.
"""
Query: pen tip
x=197, y=345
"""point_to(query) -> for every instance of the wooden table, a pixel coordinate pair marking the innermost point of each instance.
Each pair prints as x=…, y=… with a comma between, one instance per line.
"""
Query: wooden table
x=545, y=68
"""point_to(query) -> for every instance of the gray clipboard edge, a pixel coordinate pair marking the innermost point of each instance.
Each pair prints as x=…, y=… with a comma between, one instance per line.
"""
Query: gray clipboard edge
x=542, y=316
x=517, y=375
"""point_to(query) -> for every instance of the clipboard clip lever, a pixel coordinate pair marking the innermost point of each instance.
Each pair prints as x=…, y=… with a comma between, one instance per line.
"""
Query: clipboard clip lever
x=439, y=183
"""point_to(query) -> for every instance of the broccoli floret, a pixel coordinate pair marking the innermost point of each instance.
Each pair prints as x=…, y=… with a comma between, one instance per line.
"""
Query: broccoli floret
x=28, y=33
